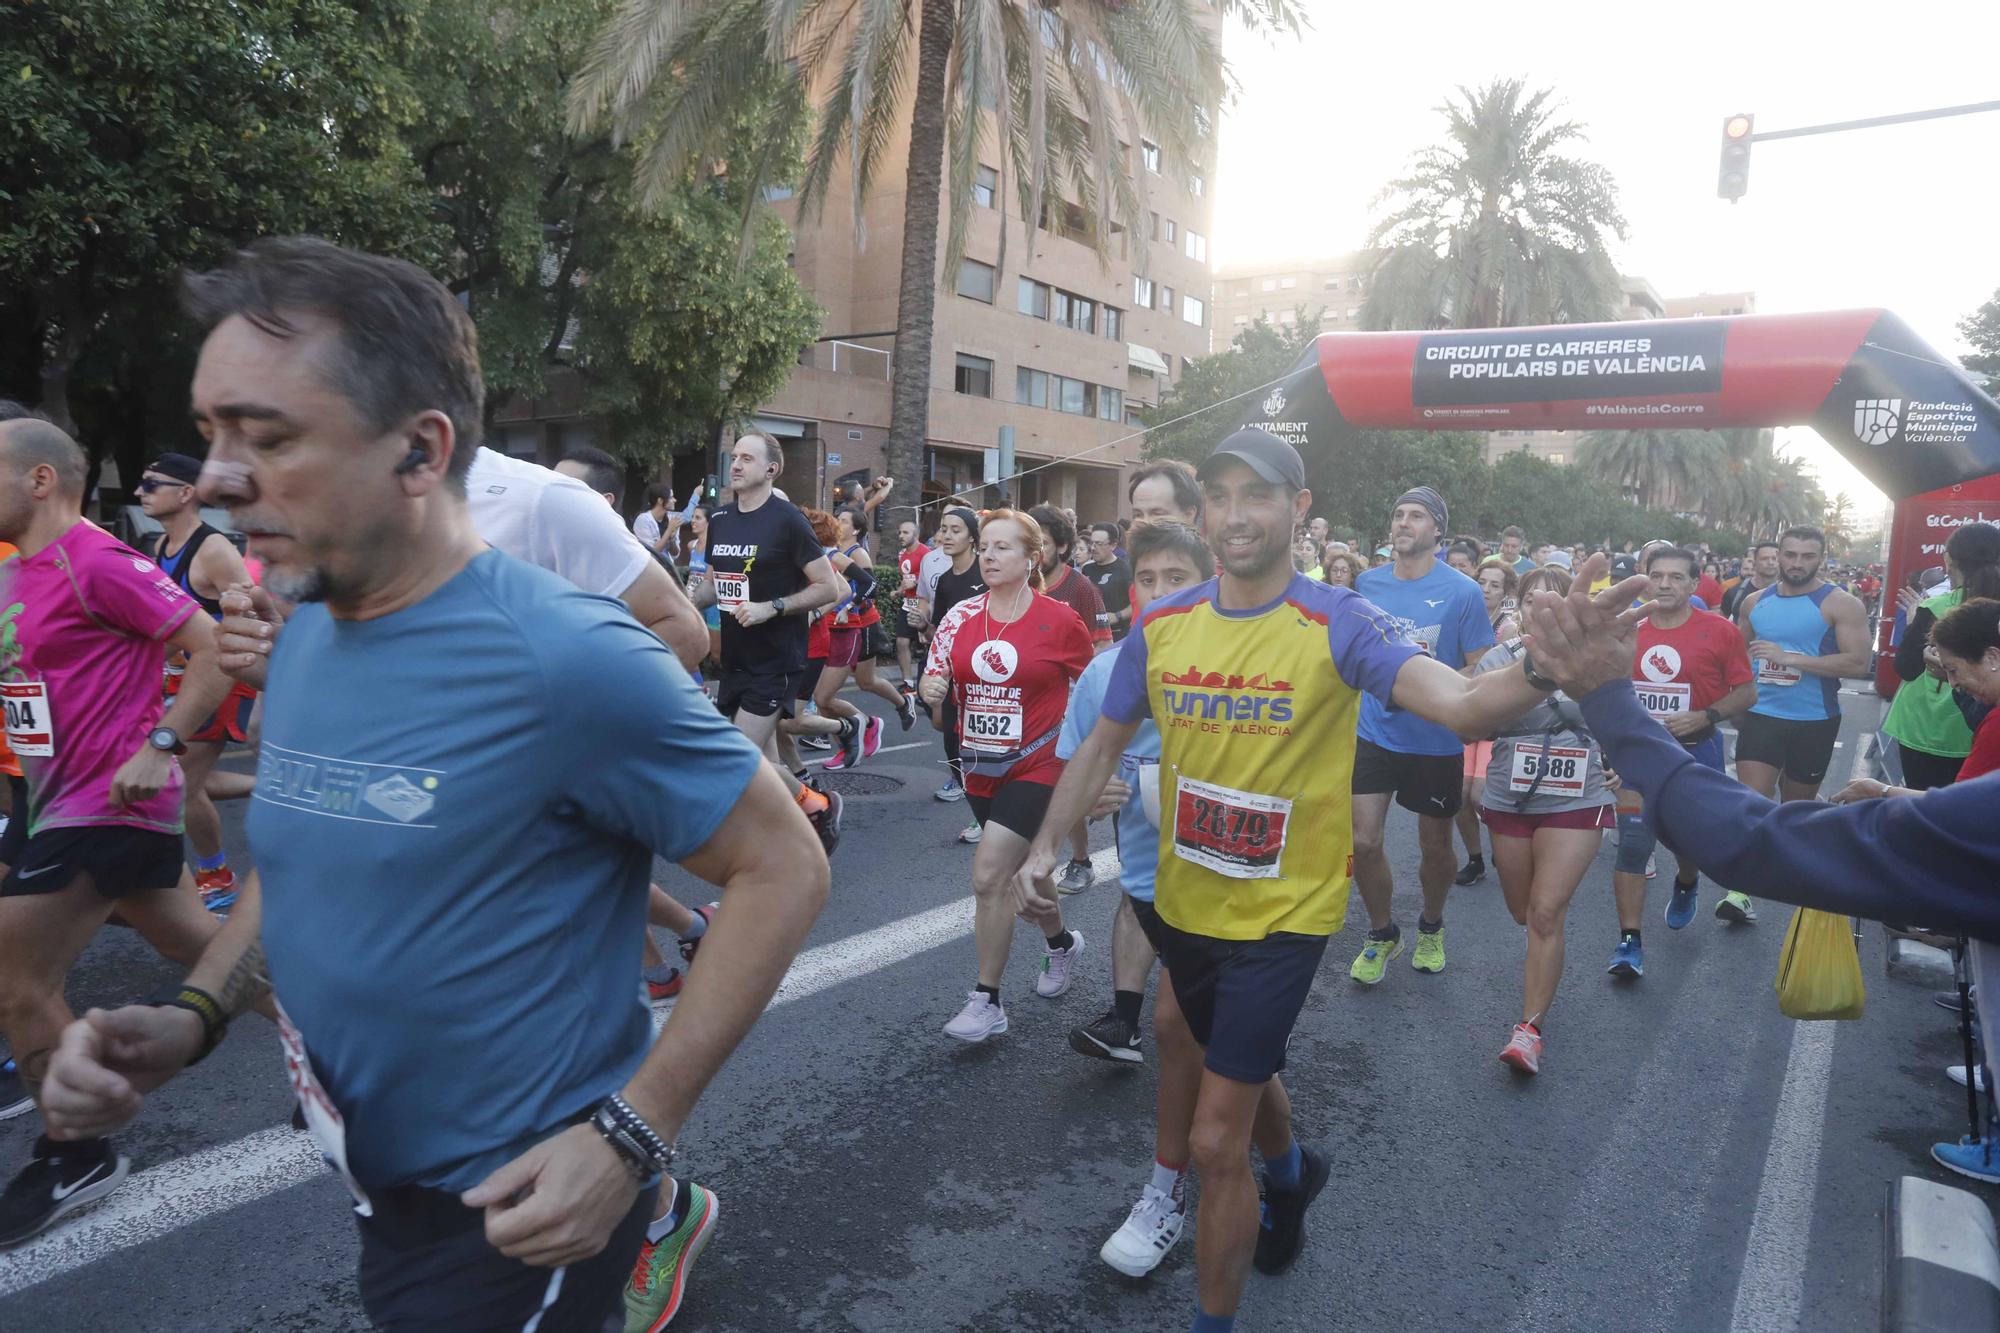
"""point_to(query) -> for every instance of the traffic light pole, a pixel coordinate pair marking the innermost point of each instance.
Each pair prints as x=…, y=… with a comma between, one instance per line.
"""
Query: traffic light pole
x=1871, y=122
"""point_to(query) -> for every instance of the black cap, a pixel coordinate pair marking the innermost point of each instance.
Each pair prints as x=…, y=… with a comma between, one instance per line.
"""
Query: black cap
x=1264, y=453
x=185, y=470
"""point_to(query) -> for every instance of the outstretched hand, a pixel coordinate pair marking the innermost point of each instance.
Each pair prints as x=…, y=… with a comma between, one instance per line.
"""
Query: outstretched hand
x=1580, y=641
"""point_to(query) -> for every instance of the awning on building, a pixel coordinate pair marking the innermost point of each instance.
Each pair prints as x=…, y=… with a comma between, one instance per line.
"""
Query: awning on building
x=1145, y=358
x=782, y=428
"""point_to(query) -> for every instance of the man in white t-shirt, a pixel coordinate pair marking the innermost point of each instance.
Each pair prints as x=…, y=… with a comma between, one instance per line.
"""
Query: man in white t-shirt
x=651, y=527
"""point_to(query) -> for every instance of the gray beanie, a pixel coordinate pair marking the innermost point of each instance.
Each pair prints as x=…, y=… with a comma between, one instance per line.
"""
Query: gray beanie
x=1431, y=500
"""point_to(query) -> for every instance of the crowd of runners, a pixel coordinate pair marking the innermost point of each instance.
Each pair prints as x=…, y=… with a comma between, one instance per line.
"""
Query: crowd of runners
x=464, y=1017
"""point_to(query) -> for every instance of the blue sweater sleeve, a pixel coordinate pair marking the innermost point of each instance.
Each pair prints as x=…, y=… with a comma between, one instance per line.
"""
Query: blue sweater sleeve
x=1930, y=860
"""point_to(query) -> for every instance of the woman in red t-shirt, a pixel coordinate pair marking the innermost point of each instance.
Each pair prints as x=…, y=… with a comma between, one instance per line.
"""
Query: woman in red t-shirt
x=1008, y=657
x=848, y=651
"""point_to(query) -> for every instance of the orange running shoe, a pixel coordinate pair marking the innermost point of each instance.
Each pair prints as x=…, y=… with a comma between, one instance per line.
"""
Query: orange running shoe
x=1524, y=1050
x=218, y=888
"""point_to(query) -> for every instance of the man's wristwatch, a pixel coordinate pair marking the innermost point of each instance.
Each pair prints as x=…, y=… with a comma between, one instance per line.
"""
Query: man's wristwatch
x=642, y=1150
x=166, y=740
x=214, y=1022
x=777, y=606
x=1714, y=718
x=1534, y=677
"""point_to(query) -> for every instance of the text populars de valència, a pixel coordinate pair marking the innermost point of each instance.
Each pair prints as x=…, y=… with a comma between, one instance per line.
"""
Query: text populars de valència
x=1596, y=356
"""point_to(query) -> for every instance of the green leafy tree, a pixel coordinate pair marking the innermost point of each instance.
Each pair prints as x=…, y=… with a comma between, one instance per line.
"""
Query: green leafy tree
x=668, y=315
x=146, y=136
x=1047, y=86
x=1496, y=225
x=1982, y=329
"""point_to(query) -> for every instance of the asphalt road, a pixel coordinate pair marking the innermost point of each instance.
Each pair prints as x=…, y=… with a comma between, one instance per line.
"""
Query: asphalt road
x=875, y=1175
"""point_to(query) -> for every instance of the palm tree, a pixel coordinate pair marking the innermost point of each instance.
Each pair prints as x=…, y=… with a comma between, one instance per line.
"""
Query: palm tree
x=1658, y=469
x=1496, y=226
x=1058, y=84
x=1760, y=491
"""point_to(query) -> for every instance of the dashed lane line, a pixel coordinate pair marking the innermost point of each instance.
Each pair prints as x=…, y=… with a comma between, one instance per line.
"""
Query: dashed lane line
x=186, y=1190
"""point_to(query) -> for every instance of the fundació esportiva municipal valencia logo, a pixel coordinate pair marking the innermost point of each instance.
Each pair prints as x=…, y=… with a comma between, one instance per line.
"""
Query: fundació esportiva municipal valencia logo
x=1876, y=420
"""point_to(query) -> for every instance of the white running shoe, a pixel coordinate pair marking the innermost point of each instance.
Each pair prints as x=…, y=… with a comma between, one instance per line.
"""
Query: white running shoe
x=1058, y=967
x=1151, y=1229
x=972, y=833
x=1956, y=1073
x=981, y=1018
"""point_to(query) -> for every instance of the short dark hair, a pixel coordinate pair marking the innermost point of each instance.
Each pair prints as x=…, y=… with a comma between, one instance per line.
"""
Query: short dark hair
x=857, y=518
x=1187, y=491
x=1175, y=539
x=1969, y=629
x=1511, y=531
x=13, y=411
x=405, y=343
x=1758, y=546
x=1109, y=529
x=1056, y=526
x=657, y=491
x=601, y=472
x=34, y=440
x=1674, y=553
x=1804, y=534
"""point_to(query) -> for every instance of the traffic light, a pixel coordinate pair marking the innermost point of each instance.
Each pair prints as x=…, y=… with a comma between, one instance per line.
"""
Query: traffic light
x=1734, y=180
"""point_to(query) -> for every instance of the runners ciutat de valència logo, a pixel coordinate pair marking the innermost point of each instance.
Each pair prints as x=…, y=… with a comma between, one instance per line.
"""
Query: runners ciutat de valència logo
x=1876, y=420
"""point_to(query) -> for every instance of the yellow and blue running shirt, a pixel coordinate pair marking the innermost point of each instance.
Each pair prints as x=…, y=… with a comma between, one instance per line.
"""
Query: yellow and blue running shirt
x=1256, y=711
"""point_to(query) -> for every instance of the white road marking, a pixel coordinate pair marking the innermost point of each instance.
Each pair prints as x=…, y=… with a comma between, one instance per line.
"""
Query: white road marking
x=186, y=1190
x=1771, y=1290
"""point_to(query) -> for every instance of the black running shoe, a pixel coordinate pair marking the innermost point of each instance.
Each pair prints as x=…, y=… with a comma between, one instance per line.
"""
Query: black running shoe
x=850, y=743
x=14, y=1098
x=59, y=1179
x=826, y=821
x=1284, y=1229
x=906, y=711
x=1108, y=1038
x=1471, y=872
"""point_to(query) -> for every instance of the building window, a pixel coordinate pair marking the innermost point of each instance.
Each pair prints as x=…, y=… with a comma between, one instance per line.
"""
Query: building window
x=1152, y=226
x=1270, y=284
x=1169, y=229
x=1167, y=299
x=974, y=376
x=1194, y=310
x=1074, y=312
x=1132, y=417
x=1287, y=317
x=1332, y=284
x=1114, y=323
x=985, y=185
x=774, y=193
x=1031, y=387
x=1555, y=458
x=975, y=280
x=1197, y=247
x=1110, y=404
x=1071, y=396
x=1240, y=319
x=1288, y=282
x=1033, y=299
x=1149, y=153
x=1142, y=292
x=1197, y=186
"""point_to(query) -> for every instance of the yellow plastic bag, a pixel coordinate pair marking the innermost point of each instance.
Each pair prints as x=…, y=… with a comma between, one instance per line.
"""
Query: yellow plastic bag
x=1819, y=972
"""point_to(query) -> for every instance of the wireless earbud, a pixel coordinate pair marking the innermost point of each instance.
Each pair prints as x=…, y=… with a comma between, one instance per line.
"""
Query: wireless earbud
x=416, y=458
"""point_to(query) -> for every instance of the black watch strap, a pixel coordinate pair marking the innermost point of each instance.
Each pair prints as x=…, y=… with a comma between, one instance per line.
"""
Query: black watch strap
x=1714, y=718
x=214, y=1022
x=1534, y=677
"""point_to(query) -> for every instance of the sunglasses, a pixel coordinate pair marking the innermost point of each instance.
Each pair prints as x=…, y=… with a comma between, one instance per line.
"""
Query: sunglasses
x=150, y=484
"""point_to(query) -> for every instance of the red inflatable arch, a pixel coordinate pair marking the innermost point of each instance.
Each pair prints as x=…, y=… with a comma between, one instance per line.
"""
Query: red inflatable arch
x=1911, y=421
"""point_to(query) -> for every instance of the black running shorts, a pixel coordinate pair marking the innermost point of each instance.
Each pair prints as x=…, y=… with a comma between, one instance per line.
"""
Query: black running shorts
x=763, y=691
x=1425, y=784
x=16, y=836
x=1017, y=807
x=118, y=858
x=1241, y=998
x=1149, y=922
x=426, y=1265
x=1802, y=749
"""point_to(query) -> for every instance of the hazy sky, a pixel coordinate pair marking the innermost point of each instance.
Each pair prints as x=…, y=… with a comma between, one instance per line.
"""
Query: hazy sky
x=1906, y=217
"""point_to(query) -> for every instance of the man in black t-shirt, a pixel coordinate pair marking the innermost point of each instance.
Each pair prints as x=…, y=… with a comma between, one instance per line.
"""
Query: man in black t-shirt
x=1112, y=577
x=767, y=572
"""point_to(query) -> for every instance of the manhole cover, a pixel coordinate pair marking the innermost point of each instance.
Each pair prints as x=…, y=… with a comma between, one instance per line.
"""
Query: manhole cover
x=860, y=784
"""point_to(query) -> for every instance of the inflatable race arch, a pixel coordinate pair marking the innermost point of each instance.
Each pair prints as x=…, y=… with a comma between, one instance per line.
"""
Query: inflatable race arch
x=1911, y=421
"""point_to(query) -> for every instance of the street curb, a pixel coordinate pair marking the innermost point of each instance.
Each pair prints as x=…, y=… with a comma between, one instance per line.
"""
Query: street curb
x=1913, y=960
x=1942, y=1259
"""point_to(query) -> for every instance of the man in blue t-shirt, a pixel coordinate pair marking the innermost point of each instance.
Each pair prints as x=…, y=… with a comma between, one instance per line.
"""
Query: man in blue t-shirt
x=457, y=884
x=1419, y=763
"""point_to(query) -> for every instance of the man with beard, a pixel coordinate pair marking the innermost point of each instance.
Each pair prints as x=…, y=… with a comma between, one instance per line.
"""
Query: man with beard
x=1254, y=680
x=1805, y=636
x=1759, y=571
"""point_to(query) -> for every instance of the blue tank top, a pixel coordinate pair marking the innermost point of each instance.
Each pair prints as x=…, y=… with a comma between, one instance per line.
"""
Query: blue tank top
x=1797, y=625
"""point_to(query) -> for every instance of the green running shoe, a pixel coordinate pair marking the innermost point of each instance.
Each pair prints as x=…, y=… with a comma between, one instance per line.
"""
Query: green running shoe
x=1373, y=959
x=659, y=1280
x=1429, y=955
x=1736, y=908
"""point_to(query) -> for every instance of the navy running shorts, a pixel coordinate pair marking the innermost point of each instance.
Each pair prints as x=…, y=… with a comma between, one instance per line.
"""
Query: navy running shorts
x=1241, y=998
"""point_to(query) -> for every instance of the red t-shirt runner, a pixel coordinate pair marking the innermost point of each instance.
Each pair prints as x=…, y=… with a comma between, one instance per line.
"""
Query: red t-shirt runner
x=1081, y=596
x=908, y=563
x=1011, y=684
x=1688, y=668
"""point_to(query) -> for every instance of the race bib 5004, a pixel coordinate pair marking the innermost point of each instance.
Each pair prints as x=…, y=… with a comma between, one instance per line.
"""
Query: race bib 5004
x=1664, y=701
x=30, y=730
